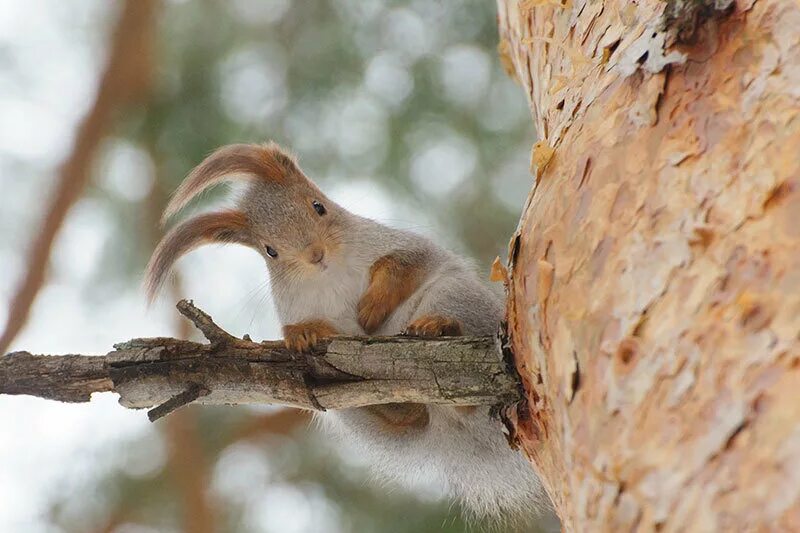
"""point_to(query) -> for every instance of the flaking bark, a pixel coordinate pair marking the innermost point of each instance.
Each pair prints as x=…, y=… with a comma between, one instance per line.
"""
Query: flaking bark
x=655, y=280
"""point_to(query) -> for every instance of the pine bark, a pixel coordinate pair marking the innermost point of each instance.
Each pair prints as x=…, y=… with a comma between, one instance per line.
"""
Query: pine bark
x=654, y=306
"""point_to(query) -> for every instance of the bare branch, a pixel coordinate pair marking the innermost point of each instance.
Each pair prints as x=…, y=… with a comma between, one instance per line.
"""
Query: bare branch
x=203, y=322
x=340, y=373
x=193, y=392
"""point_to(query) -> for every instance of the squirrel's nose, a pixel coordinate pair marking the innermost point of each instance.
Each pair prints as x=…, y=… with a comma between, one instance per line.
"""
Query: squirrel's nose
x=316, y=254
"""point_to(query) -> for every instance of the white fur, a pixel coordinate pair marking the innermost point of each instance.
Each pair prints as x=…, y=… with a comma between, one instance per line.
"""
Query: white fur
x=465, y=453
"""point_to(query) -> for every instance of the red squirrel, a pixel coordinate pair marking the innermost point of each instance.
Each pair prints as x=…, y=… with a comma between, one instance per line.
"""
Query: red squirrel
x=333, y=272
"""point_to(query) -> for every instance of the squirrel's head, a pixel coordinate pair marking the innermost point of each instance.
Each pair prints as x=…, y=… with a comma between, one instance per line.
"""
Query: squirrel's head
x=282, y=215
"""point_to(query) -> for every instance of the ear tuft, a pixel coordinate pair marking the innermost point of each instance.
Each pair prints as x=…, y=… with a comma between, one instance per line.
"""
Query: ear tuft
x=283, y=158
x=267, y=162
x=220, y=227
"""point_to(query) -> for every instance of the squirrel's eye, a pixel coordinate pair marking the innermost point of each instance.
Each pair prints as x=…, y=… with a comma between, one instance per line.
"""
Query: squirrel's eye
x=271, y=252
x=319, y=208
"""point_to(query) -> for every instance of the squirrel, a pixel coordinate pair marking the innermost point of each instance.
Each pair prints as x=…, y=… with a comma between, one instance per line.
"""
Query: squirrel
x=336, y=273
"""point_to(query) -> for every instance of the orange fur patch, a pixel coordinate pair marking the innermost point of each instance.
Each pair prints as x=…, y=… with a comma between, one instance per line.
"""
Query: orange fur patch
x=303, y=336
x=399, y=417
x=434, y=326
x=393, y=278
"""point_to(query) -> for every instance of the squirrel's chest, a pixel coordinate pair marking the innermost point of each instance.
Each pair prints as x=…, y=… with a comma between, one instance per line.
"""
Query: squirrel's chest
x=333, y=297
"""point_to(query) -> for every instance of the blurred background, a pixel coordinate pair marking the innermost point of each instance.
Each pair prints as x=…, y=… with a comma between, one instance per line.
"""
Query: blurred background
x=401, y=111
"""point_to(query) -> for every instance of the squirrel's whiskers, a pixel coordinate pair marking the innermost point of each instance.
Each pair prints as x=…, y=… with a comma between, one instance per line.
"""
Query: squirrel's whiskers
x=333, y=272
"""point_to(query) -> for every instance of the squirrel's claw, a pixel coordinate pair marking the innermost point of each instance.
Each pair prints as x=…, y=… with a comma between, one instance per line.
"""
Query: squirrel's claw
x=303, y=336
x=433, y=326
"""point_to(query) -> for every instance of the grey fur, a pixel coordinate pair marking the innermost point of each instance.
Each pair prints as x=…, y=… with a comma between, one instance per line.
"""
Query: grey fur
x=466, y=453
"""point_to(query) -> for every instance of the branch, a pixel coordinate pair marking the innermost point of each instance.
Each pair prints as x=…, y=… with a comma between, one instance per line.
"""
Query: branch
x=340, y=373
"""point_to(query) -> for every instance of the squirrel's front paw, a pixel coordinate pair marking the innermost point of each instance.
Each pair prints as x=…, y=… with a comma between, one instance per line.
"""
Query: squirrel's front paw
x=392, y=279
x=305, y=335
x=373, y=308
x=433, y=326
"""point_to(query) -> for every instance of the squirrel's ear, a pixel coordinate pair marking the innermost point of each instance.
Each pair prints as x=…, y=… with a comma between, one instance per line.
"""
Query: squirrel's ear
x=268, y=162
x=220, y=227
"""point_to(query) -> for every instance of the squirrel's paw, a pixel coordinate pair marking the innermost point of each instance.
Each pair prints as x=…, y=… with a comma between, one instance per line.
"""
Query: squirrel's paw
x=393, y=278
x=373, y=310
x=305, y=335
x=433, y=326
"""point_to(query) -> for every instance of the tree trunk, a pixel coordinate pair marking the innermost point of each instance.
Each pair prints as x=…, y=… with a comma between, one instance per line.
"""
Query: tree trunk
x=654, y=286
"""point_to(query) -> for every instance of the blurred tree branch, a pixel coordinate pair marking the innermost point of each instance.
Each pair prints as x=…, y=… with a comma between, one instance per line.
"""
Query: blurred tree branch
x=188, y=463
x=341, y=373
x=281, y=422
x=127, y=76
x=188, y=466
